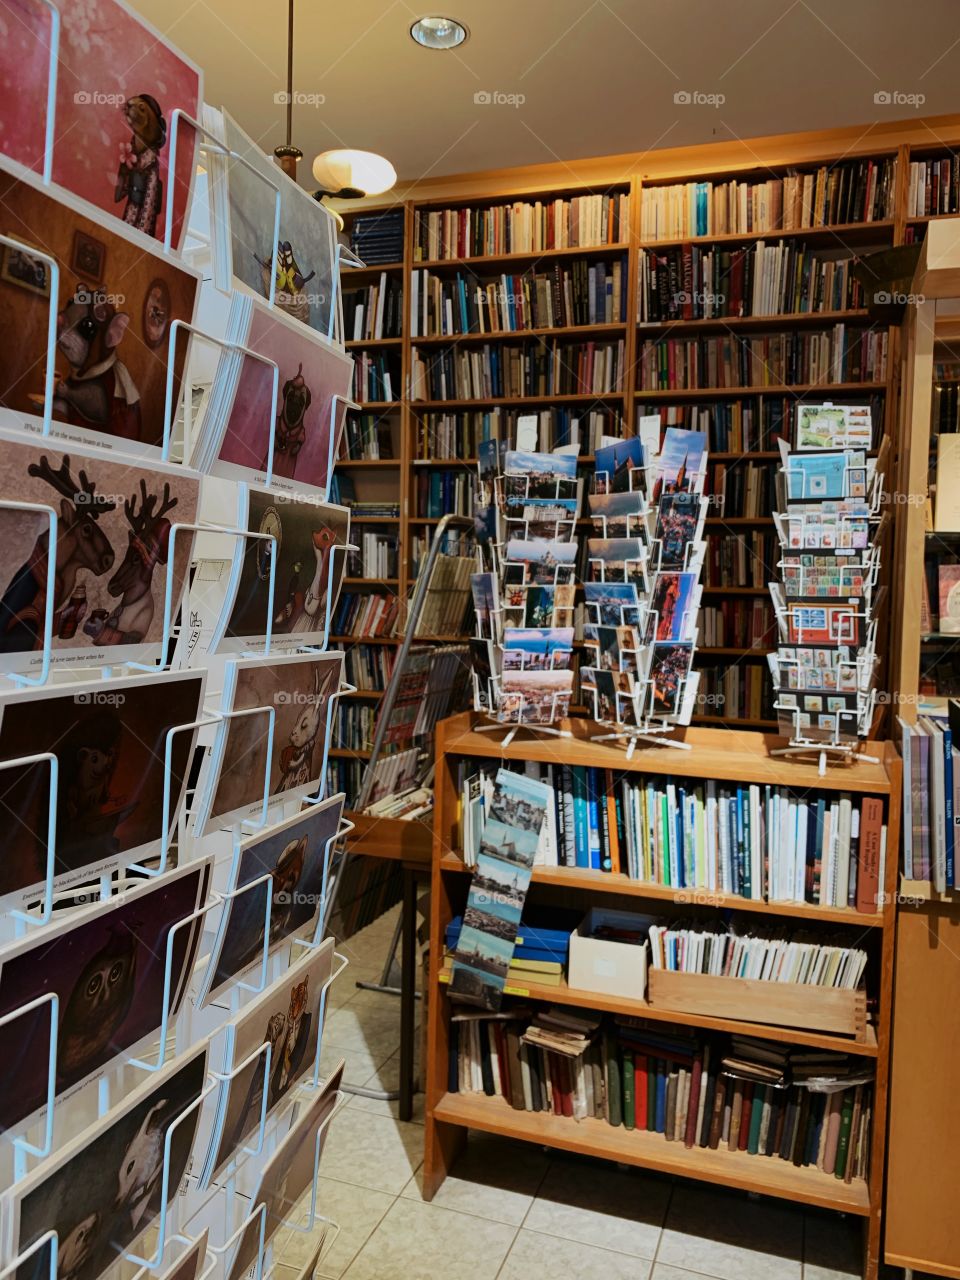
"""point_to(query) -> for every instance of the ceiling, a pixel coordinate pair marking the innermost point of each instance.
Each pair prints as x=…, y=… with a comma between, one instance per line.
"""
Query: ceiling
x=576, y=78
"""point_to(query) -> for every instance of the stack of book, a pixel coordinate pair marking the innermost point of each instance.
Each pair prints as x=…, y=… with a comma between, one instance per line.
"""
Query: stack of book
x=934, y=187
x=642, y=589
x=378, y=237
x=540, y=953
x=829, y=490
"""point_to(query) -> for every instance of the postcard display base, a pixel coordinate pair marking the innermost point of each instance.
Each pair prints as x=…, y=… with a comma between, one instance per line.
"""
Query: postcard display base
x=829, y=528
x=178, y=1214
x=643, y=570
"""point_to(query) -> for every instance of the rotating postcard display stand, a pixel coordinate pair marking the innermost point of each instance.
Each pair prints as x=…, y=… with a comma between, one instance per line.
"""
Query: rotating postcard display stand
x=172, y=1214
x=830, y=530
x=642, y=589
x=523, y=652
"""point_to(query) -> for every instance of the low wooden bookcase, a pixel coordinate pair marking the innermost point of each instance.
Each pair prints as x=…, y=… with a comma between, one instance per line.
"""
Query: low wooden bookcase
x=735, y=757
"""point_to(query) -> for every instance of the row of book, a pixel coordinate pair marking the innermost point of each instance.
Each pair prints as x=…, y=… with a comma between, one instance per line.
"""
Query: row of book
x=521, y=227
x=441, y=492
x=368, y=666
x=378, y=557
x=779, y=955
x=934, y=187
x=374, y=312
x=690, y=283
x=740, y=559
x=760, y=842
x=378, y=237
x=353, y=726
x=368, y=437
x=362, y=613
x=739, y=489
x=460, y=434
x=738, y=624
x=572, y=368
x=831, y=195
x=810, y=1108
x=373, y=380
x=731, y=426
x=838, y=354
x=740, y=691
x=931, y=798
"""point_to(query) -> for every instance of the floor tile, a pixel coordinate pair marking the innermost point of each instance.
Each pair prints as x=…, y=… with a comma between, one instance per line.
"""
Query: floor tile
x=372, y=1151
x=423, y=1242
x=597, y=1204
x=726, y=1235
x=360, y=1063
x=356, y=1210
x=832, y=1247
x=494, y=1178
x=534, y=1256
x=357, y=1027
x=663, y=1272
x=387, y=1077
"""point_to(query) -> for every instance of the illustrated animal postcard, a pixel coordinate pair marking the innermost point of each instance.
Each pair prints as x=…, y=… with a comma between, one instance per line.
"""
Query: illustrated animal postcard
x=311, y=373
x=288, y=1174
x=117, y=298
x=298, y=691
x=307, y=575
x=111, y=554
x=287, y=1017
x=304, y=262
x=105, y=964
x=293, y=854
x=109, y=739
x=119, y=80
x=106, y=1187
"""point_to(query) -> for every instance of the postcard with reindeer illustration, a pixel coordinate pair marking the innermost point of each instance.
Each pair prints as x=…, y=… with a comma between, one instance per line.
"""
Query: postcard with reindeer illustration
x=244, y=190
x=109, y=739
x=277, y=747
x=112, y=554
x=117, y=298
x=106, y=1187
x=294, y=856
x=307, y=422
x=289, y=1173
x=287, y=1017
x=119, y=81
x=105, y=963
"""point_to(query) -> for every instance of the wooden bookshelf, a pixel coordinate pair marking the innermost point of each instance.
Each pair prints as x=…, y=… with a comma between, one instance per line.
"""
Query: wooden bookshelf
x=717, y=754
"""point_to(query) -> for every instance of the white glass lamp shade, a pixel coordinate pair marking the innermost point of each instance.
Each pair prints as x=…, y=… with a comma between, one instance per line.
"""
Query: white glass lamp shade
x=362, y=172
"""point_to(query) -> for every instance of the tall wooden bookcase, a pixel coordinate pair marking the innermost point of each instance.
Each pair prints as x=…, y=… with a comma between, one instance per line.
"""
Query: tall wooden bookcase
x=718, y=754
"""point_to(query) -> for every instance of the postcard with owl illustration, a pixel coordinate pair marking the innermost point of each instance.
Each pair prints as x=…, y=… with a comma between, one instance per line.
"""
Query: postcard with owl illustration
x=294, y=854
x=112, y=554
x=304, y=265
x=117, y=299
x=109, y=739
x=307, y=422
x=105, y=1188
x=288, y=1174
x=105, y=963
x=119, y=80
x=279, y=749
x=287, y=1018
x=306, y=580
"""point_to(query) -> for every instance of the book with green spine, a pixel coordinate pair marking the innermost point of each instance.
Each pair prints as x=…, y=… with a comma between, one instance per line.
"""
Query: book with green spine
x=612, y=1064
x=629, y=1105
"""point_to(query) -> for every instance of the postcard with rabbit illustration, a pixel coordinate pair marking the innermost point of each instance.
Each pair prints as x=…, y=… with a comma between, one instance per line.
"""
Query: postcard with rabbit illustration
x=298, y=691
x=287, y=1017
x=112, y=554
x=294, y=855
x=105, y=1188
x=109, y=739
x=105, y=963
x=117, y=299
x=288, y=1174
x=119, y=80
x=303, y=268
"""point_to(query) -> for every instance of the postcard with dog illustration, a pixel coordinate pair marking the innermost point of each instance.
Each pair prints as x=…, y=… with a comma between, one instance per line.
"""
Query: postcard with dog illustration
x=288, y=1174
x=119, y=81
x=281, y=746
x=109, y=739
x=111, y=554
x=287, y=1018
x=116, y=301
x=106, y=1187
x=106, y=965
x=294, y=855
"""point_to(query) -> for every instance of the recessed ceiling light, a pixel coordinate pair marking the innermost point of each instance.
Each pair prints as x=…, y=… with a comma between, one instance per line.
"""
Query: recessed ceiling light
x=438, y=33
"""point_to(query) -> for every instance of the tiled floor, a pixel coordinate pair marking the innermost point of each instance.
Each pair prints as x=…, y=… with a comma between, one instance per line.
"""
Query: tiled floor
x=515, y=1211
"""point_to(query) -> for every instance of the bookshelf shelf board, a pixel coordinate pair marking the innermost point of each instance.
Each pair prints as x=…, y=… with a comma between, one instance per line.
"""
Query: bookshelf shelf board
x=379, y=406
x=598, y=397
x=364, y=640
x=747, y=455
x=444, y=462
x=369, y=464
x=533, y=255
x=564, y=994
x=370, y=582
x=590, y=1136
x=350, y=272
x=774, y=389
x=940, y=637
x=718, y=521
x=428, y=520
x=348, y=753
x=736, y=591
x=922, y=219
x=363, y=693
x=443, y=639
x=356, y=519
x=922, y=891
x=608, y=882
x=556, y=331
x=354, y=344
x=755, y=322
x=718, y=753
x=842, y=231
